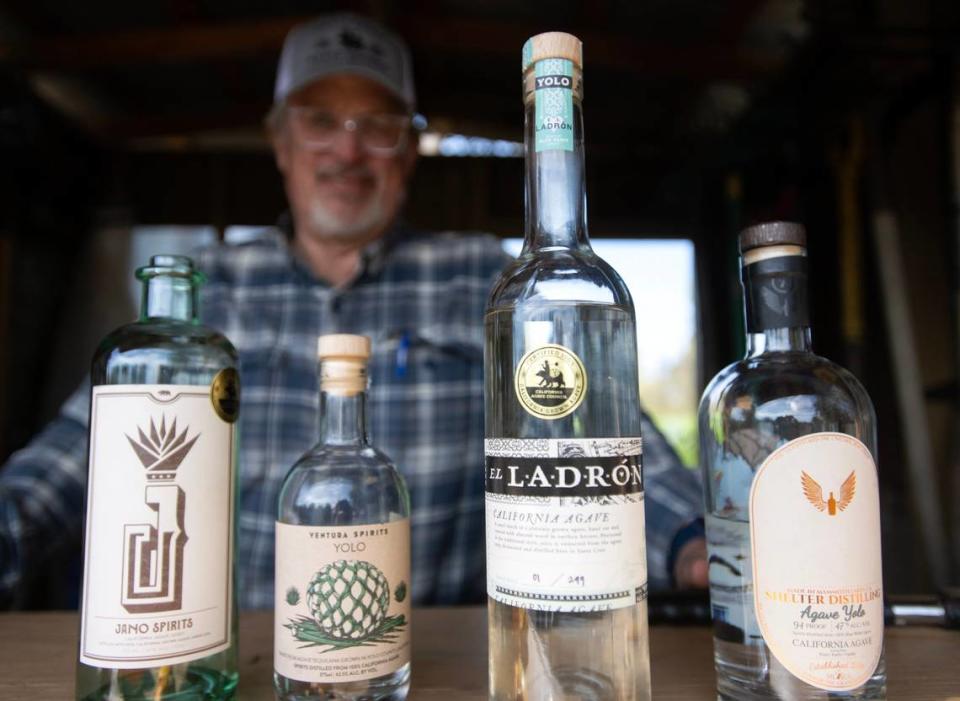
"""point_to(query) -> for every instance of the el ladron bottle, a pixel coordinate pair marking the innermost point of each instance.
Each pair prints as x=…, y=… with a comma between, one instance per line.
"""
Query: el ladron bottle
x=566, y=558
x=158, y=607
x=342, y=612
x=788, y=450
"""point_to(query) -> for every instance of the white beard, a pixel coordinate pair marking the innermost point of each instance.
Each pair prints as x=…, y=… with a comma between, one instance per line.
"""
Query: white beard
x=327, y=224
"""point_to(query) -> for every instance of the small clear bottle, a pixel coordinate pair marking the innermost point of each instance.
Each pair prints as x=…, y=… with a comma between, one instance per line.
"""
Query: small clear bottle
x=158, y=606
x=788, y=450
x=342, y=614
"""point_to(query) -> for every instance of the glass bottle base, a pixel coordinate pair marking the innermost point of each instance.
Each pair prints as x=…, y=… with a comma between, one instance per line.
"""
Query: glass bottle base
x=390, y=687
x=198, y=684
x=752, y=673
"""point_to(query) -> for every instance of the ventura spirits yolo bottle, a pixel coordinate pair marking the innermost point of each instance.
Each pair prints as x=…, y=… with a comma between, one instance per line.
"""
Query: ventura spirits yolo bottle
x=342, y=613
x=788, y=444
x=158, y=608
x=566, y=559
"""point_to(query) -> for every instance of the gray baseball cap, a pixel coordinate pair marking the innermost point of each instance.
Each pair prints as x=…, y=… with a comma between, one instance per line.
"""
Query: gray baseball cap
x=344, y=43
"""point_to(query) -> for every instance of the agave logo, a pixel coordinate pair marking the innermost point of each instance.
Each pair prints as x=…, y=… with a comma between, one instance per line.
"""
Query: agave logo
x=348, y=602
x=153, y=551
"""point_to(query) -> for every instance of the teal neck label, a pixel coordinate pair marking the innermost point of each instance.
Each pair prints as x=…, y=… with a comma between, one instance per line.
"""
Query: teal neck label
x=553, y=105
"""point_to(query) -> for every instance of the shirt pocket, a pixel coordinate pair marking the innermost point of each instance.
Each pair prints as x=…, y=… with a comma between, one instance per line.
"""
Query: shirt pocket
x=426, y=406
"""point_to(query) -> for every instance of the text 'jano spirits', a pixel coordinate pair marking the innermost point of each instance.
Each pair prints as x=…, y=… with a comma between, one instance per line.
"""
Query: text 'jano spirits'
x=158, y=607
x=566, y=559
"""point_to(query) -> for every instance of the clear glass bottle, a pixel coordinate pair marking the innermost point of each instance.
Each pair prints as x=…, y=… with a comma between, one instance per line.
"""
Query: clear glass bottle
x=566, y=559
x=342, y=615
x=779, y=430
x=158, y=612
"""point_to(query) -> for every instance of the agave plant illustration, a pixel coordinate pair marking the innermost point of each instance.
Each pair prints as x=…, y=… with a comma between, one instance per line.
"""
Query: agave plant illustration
x=163, y=449
x=348, y=602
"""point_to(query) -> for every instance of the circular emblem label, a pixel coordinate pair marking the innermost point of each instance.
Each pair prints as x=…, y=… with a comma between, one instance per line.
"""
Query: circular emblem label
x=225, y=394
x=550, y=382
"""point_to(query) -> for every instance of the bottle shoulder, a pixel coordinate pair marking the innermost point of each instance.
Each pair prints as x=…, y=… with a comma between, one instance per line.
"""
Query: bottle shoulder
x=330, y=479
x=137, y=338
x=770, y=378
x=561, y=275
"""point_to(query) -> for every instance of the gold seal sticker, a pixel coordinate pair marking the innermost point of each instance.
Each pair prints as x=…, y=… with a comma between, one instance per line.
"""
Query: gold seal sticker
x=225, y=394
x=550, y=382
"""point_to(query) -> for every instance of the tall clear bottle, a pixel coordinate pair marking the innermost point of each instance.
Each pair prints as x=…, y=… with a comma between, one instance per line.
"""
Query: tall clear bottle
x=788, y=448
x=342, y=613
x=158, y=607
x=566, y=558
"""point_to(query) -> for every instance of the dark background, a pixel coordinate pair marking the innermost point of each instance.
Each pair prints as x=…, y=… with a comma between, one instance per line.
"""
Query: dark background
x=701, y=117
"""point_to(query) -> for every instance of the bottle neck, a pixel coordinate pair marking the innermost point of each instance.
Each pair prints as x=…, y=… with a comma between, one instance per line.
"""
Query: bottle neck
x=169, y=297
x=343, y=419
x=556, y=202
x=776, y=304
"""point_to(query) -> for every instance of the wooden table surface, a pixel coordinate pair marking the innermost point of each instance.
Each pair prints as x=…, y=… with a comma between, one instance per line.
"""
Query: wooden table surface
x=37, y=653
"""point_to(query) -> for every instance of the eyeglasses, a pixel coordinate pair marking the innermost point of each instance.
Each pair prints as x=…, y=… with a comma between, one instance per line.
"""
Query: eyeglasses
x=378, y=134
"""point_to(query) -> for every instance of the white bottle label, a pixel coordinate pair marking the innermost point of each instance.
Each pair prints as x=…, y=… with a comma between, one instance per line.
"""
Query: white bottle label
x=342, y=598
x=815, y=537
x=157, y=585
x=565, y=523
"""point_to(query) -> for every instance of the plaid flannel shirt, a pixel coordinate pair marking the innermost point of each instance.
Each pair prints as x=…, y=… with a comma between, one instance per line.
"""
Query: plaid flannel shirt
x=421, y=300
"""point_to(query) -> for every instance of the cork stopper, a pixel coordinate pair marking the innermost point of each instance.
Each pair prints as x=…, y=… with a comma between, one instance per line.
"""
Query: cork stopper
x=553, y=45
x=343, y=345
x=774, y=233
x=772, y=240
x=343, y=363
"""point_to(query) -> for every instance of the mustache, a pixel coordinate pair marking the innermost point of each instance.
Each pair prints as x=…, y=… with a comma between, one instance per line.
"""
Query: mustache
x=344, y=170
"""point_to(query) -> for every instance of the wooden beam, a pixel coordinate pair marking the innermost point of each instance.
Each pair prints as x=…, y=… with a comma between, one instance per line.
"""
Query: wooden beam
x=428, y=36
x=151, y=46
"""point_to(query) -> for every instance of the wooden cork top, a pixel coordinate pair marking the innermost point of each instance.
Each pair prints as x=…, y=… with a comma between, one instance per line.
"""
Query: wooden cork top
x=553, y=45
x=343, y=345
x=775, y=233
x=343, y=363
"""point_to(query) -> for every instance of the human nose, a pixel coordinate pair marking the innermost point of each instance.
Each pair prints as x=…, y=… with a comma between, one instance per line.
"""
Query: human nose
x=346, y=143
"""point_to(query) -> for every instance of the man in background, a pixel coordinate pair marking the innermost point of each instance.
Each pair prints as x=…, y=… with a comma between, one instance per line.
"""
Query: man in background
x=344, y=133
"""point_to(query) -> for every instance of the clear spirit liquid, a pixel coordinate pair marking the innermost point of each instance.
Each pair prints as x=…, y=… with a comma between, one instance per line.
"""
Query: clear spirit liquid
x=344, y=481
x=166, y=346
x=541, y=655
x=780, y=392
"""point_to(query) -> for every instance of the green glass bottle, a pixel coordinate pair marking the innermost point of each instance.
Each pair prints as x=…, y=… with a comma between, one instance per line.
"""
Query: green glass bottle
x=158, y=606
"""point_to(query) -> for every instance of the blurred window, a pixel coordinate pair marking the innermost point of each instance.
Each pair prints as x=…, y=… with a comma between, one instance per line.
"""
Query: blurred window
x=661, y=277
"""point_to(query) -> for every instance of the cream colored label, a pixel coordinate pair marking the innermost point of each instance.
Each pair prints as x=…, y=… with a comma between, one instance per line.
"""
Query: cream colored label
x=565, y=523
x=815, y=539
x=159, y=541
x=342, y=608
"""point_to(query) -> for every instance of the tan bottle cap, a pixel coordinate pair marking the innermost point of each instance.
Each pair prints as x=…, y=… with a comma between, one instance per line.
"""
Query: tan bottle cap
x=343, y=363
x=553, y=45
x=343, y=345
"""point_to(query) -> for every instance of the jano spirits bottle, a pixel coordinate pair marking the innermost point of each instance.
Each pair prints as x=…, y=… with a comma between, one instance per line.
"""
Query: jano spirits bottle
x=566, y=558
x=158, y=608
x=788, y=446
x=342, y=613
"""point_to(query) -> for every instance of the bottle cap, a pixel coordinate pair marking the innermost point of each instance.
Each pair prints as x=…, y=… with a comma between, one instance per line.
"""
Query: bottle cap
x=553, y=45
x=343, y=363
x=774, y=233
x=343, y=345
